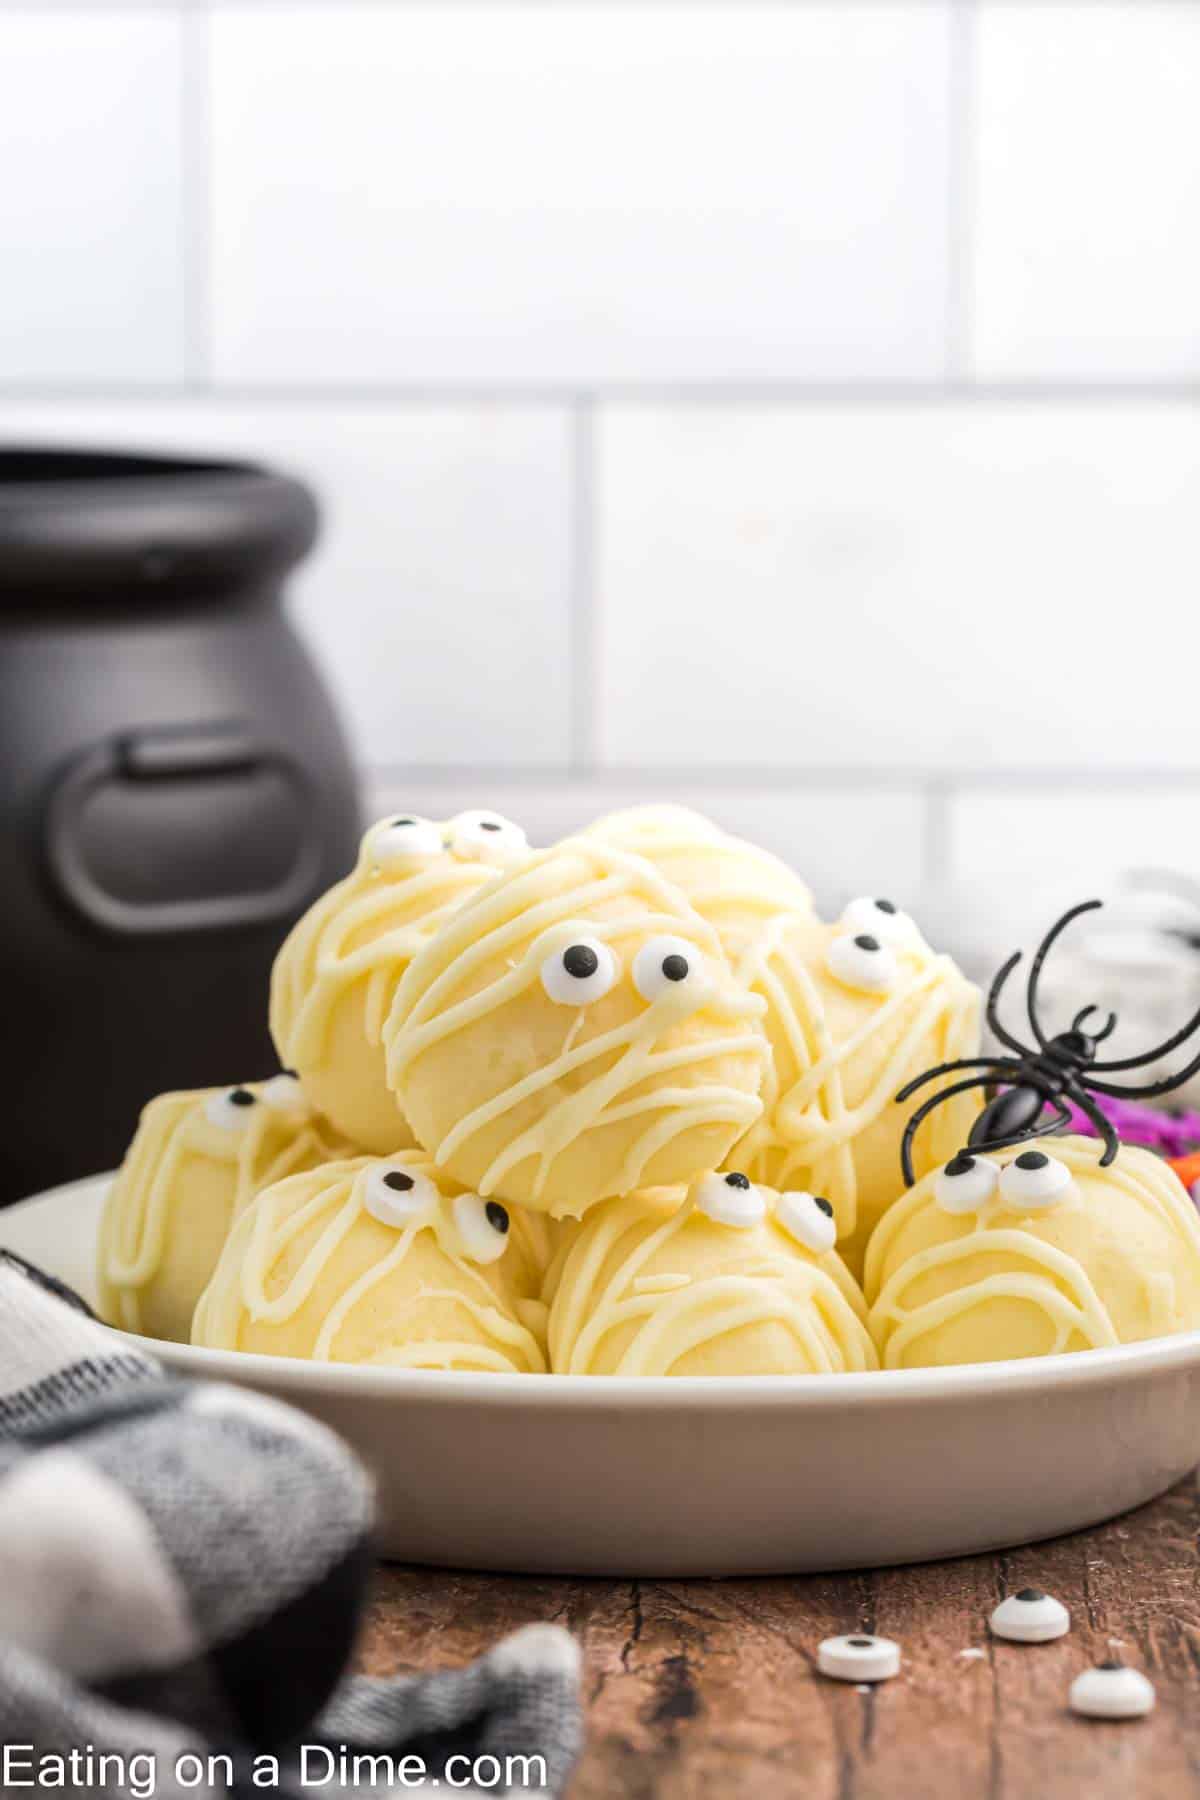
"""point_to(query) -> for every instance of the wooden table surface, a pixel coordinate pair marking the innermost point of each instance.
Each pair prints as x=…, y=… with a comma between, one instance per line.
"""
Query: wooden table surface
x=709, y=1687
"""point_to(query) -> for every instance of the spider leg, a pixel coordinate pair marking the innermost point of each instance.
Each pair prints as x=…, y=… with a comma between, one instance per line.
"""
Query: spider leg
x=1043, y=950
x=1006, y=1065
x=1152, y=1088
x=1138, y=1062
x=922, y=1113
x=1006, y=1037
x=1104, y=1126
x=1097, y=1037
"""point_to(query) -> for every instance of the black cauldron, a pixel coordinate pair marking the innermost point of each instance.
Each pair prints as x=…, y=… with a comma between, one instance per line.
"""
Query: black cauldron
x=174, y=789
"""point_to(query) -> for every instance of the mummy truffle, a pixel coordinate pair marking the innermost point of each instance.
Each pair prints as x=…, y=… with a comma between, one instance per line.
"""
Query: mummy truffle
x=706, y=1282
x=853, y=1011
x=1054, y=1253
x=574, y=1031
x=336, y=974
x=374, y=1261
x=196, y=1162
x=735, y=886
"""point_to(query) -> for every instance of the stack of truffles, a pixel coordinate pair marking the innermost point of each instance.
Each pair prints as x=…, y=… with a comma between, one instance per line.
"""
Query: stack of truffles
x=622, y=1106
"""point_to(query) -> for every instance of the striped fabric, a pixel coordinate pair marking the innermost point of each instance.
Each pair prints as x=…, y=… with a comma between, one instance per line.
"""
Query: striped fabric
x=182, y=1574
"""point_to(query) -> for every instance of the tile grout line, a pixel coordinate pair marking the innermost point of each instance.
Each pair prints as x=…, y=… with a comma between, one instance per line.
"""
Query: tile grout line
x=581, y=596
x=779, y=394
x=197, y=348
x=797, y=778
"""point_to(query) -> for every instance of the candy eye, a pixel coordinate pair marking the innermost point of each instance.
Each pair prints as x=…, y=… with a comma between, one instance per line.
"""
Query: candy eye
x=668, y=965
x=403, y=840
x=1034, y=1179
x=482, y=1226
x=284, y=1094
x=859, y=1658
x=880, y=919
x=585, y=970
x=479, y=836
x=396, y=1195
x=966, y=1183
x=729, y=1199
x=809, y=1219
x=231, y=1109
x=1111, y=1691
x=862, y=961
x=1030, y=1617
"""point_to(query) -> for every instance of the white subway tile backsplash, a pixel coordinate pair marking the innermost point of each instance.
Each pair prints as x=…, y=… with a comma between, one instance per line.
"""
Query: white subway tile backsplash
x=91, y=203
x=507, y=193
x=945, y=586
x=437, y=599
x=1051, y=833
x=842, y=840
x=1087, y=191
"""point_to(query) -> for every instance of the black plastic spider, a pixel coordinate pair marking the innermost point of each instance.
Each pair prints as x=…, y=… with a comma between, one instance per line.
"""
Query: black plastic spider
x=1062, y=1068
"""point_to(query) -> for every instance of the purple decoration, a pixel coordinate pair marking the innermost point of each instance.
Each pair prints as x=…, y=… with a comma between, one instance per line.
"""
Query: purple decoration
x=1171, y=1134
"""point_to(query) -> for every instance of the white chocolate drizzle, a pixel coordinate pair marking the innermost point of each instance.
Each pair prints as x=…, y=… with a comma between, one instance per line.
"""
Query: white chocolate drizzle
x=333, y=1200
x=763, y=1280
x=173, y=1129
x=1045, y=1276
x=807, y=1133
x=366, y=929
x=596, y=1081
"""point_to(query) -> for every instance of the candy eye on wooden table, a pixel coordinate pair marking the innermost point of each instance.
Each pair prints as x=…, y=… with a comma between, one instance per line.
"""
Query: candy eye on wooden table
x=711, y=1687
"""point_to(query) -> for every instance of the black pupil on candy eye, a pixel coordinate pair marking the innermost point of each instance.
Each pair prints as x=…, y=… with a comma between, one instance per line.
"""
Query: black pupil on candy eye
x=581, y=961
x=398, y=1181
x=1029, y=1595
x=404, y=821
x=488, y=825
x=823, y=1205
x=859, y=1643
x=962, y=1164
x=885, y=906
x=241, y=1097
x=867, y=943
x=497, y=1215
x=1032, y=1159
x=737, y=1181
x=675, y=967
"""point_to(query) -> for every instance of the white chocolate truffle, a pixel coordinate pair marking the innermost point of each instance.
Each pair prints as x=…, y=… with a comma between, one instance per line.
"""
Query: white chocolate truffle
x=667, y=1283
x=1113, y=1257
x=859, y=1657
x=378, y=1263
x=519, y=1093
x=335, y=977
x=195, y=1163
x=1112, y=1691
x=735, y=886
x=843, y=1045
x=1030, y=1617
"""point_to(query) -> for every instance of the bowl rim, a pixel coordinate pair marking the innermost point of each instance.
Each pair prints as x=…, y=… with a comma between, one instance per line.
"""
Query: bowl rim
x=1029, y=1378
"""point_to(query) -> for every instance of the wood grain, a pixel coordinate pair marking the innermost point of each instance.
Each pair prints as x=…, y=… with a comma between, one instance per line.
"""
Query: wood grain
x=697, y=1688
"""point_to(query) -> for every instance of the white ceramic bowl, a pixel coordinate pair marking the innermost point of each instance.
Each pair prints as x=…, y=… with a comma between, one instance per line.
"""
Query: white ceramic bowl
x=603, y=1475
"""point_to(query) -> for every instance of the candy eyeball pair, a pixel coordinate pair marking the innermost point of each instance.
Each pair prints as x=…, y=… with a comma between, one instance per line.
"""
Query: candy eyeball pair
x=232, y=1109
x=585, y=969
x=863, y=954
x=475, y=836
x=401, y=1196
x=1031, y=1181
x=733, y=1199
